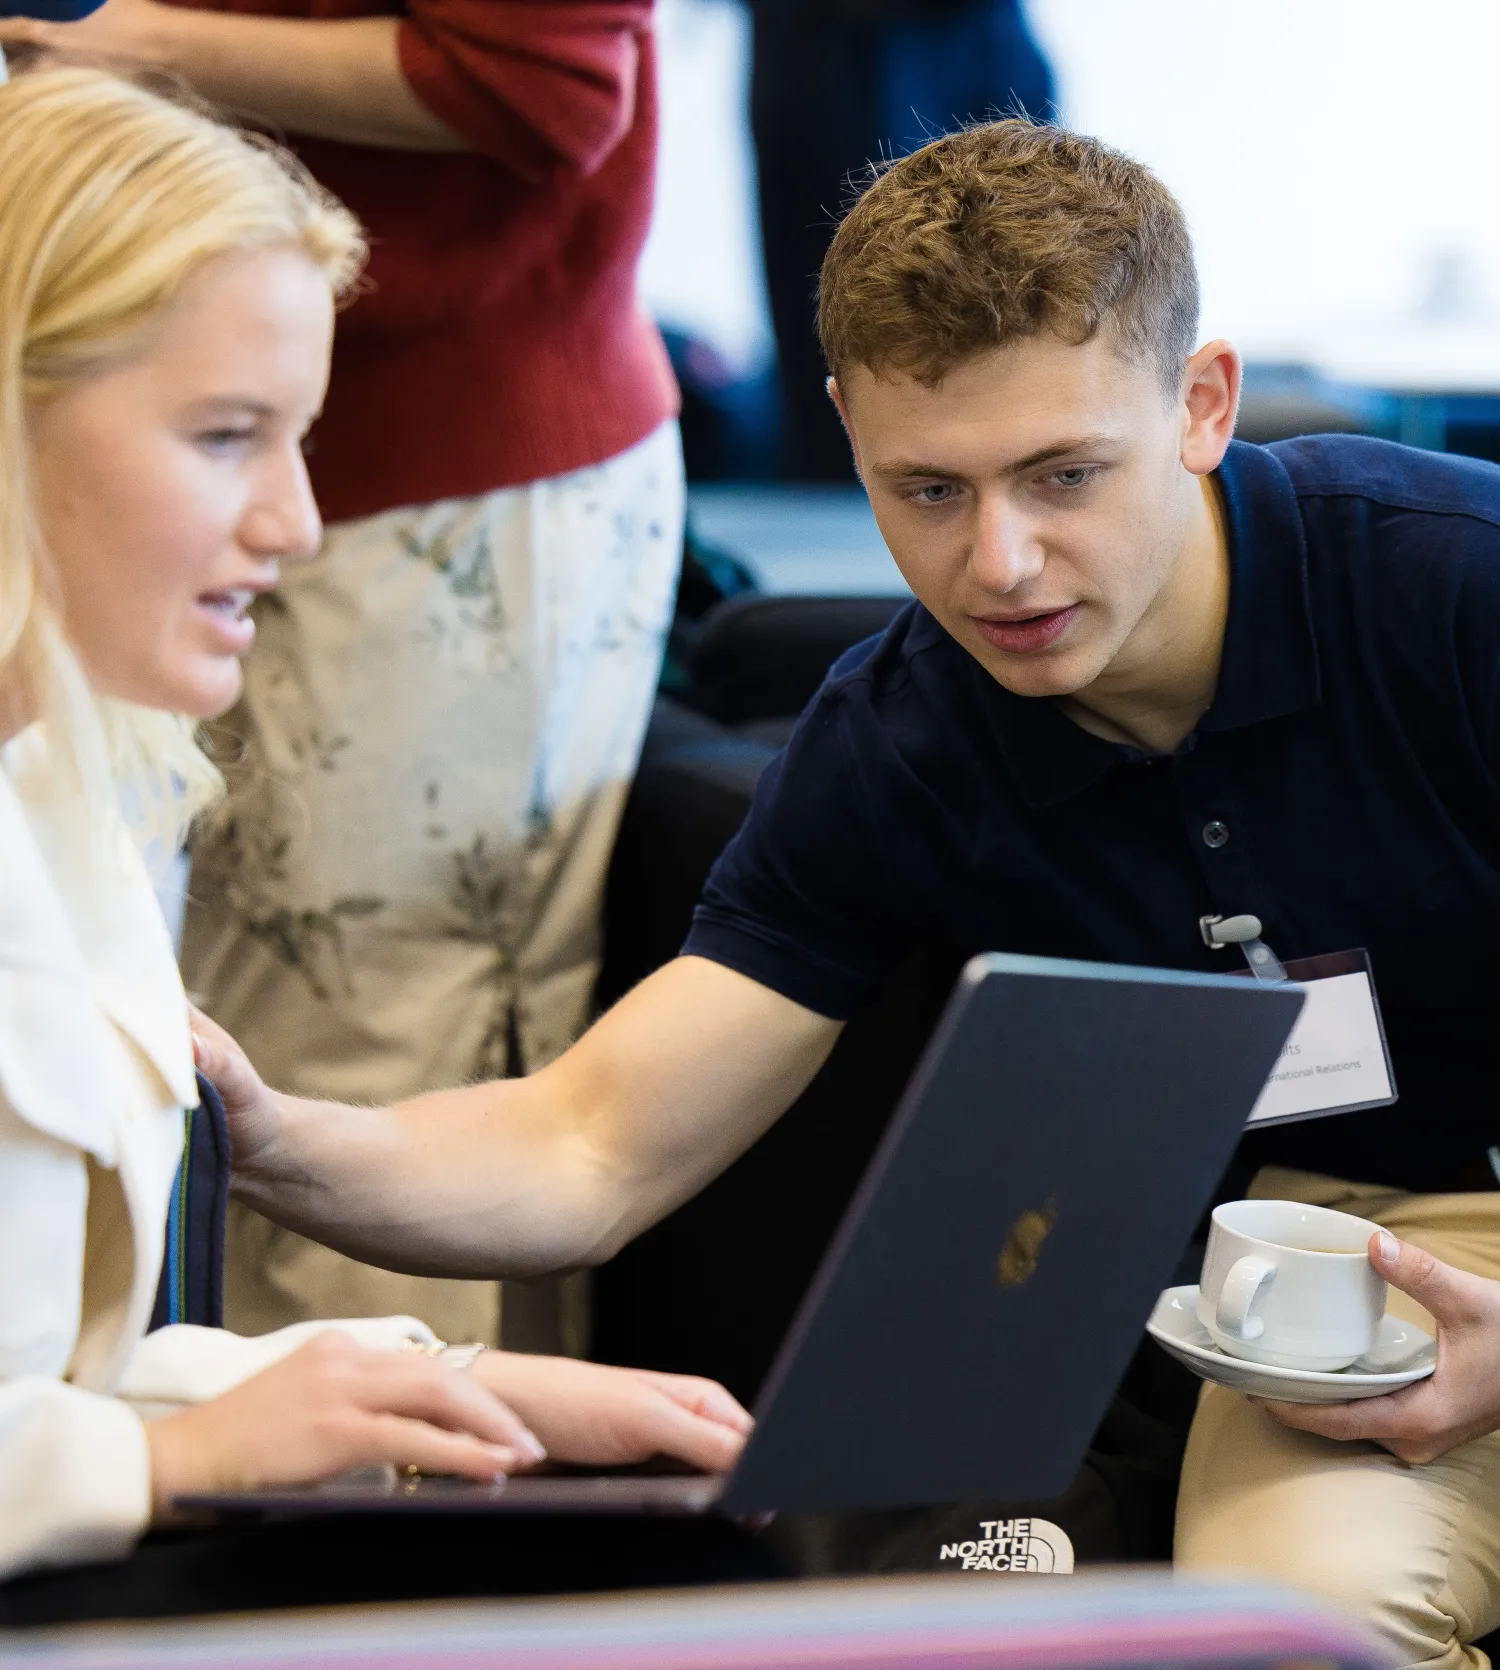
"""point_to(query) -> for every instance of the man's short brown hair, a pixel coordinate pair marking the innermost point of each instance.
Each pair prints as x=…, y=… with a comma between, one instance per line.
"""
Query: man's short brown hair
x=1001, y=232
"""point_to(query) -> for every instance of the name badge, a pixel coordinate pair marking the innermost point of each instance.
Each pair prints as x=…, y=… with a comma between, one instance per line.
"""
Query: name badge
x=1336, y=1060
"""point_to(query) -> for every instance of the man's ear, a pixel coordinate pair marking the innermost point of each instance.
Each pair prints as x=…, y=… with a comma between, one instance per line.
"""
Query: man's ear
x=1210, y=400
x=836, y=395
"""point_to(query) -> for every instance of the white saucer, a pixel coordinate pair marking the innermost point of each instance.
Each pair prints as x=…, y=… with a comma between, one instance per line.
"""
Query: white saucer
x=1401, y=1353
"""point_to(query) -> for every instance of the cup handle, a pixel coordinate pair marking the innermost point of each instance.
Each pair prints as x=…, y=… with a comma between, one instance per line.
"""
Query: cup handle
x=1247, y=1276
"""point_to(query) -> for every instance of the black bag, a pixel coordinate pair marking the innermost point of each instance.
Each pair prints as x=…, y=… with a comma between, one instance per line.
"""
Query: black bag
x=1119, y=1509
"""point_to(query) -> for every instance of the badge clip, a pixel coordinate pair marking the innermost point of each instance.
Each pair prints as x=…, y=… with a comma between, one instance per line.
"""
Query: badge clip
x=1220, y=932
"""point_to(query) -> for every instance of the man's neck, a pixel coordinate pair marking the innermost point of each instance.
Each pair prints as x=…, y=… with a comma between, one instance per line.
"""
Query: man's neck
x=1161, y=685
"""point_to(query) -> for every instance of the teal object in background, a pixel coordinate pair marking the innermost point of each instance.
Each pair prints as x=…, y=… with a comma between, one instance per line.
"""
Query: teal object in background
x=52, y=11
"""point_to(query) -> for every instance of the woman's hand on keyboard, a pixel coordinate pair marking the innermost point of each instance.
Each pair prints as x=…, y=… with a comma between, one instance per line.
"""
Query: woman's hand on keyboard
x=332, y=1405
x=603, y=1416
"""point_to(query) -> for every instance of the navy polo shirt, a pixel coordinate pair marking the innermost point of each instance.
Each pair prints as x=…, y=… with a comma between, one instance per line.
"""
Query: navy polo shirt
x=1342, y=786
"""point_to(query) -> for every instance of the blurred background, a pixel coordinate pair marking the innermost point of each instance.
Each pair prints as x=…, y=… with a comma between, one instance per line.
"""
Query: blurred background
x=1335, y=158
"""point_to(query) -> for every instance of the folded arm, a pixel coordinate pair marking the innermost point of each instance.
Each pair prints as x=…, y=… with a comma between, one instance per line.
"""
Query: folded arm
x=537, y=87
x=552, y=1171
x=335, y=80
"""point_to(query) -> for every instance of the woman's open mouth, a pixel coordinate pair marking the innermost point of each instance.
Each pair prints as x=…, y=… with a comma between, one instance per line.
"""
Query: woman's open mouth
x=227, y=610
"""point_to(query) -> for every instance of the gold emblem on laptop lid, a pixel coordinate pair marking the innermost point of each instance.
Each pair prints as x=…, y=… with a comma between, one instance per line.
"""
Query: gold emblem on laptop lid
x=1023, y=1246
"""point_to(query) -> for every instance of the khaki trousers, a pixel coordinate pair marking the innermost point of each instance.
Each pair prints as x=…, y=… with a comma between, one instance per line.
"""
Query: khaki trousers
x=442, y=715
x=1415, y=1550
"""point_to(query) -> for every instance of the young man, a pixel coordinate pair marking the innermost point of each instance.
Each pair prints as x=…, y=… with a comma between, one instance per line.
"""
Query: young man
x=1152, y=675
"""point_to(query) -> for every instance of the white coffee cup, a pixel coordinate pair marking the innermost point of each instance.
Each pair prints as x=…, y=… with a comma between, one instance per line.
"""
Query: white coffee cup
x=1290, y=1285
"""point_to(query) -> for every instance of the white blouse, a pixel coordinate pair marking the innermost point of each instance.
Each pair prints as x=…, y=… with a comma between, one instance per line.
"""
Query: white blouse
x=96, y=1068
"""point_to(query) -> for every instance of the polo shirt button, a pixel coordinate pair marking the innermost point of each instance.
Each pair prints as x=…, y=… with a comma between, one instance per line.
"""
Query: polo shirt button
x=1215, y=834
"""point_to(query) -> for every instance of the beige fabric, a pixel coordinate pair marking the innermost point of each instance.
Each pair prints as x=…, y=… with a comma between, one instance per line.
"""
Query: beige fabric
x=442, y=715
x=1416, y=1550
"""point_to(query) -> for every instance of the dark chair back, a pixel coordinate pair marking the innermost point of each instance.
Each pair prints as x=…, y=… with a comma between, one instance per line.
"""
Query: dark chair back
x=191, y=1288
x=764, y=657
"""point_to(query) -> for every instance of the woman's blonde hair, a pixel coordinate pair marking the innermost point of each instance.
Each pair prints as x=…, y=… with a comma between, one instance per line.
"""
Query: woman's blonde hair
x=112, y=196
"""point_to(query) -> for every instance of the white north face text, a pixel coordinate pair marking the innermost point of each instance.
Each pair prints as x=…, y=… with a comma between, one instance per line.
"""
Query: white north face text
x=1013, y=1545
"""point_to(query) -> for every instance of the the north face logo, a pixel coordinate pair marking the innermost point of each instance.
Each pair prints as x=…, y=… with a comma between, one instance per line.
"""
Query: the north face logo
x=1013, y=1545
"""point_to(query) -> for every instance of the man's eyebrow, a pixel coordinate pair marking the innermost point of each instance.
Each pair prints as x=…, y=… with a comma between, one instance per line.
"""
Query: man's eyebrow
x=899, y=468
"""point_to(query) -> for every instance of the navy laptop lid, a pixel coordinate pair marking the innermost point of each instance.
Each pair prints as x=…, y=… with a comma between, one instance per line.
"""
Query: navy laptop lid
x=1036, y=1188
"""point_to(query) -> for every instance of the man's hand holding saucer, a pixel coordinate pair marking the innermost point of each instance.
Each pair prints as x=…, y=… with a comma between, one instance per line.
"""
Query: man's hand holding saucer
x=1459, y=1402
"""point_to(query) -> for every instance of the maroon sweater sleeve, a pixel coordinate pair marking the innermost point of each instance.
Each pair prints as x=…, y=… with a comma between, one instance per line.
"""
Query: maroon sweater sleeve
x=536, y=85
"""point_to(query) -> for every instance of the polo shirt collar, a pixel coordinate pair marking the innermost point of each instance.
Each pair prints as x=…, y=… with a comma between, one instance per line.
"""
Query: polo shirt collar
x=1270, y=663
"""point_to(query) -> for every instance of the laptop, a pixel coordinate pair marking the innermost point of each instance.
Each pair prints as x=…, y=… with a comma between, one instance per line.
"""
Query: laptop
x=976, y=1309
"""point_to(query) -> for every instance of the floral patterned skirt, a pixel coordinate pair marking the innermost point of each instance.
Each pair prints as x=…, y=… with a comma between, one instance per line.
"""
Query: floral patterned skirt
x=441, y=718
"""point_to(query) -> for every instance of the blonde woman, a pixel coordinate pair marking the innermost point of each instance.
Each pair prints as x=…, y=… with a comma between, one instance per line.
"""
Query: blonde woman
x=167, y=293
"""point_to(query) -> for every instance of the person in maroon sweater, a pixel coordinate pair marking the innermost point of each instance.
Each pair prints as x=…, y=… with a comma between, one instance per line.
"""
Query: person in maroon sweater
x=443, y=712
